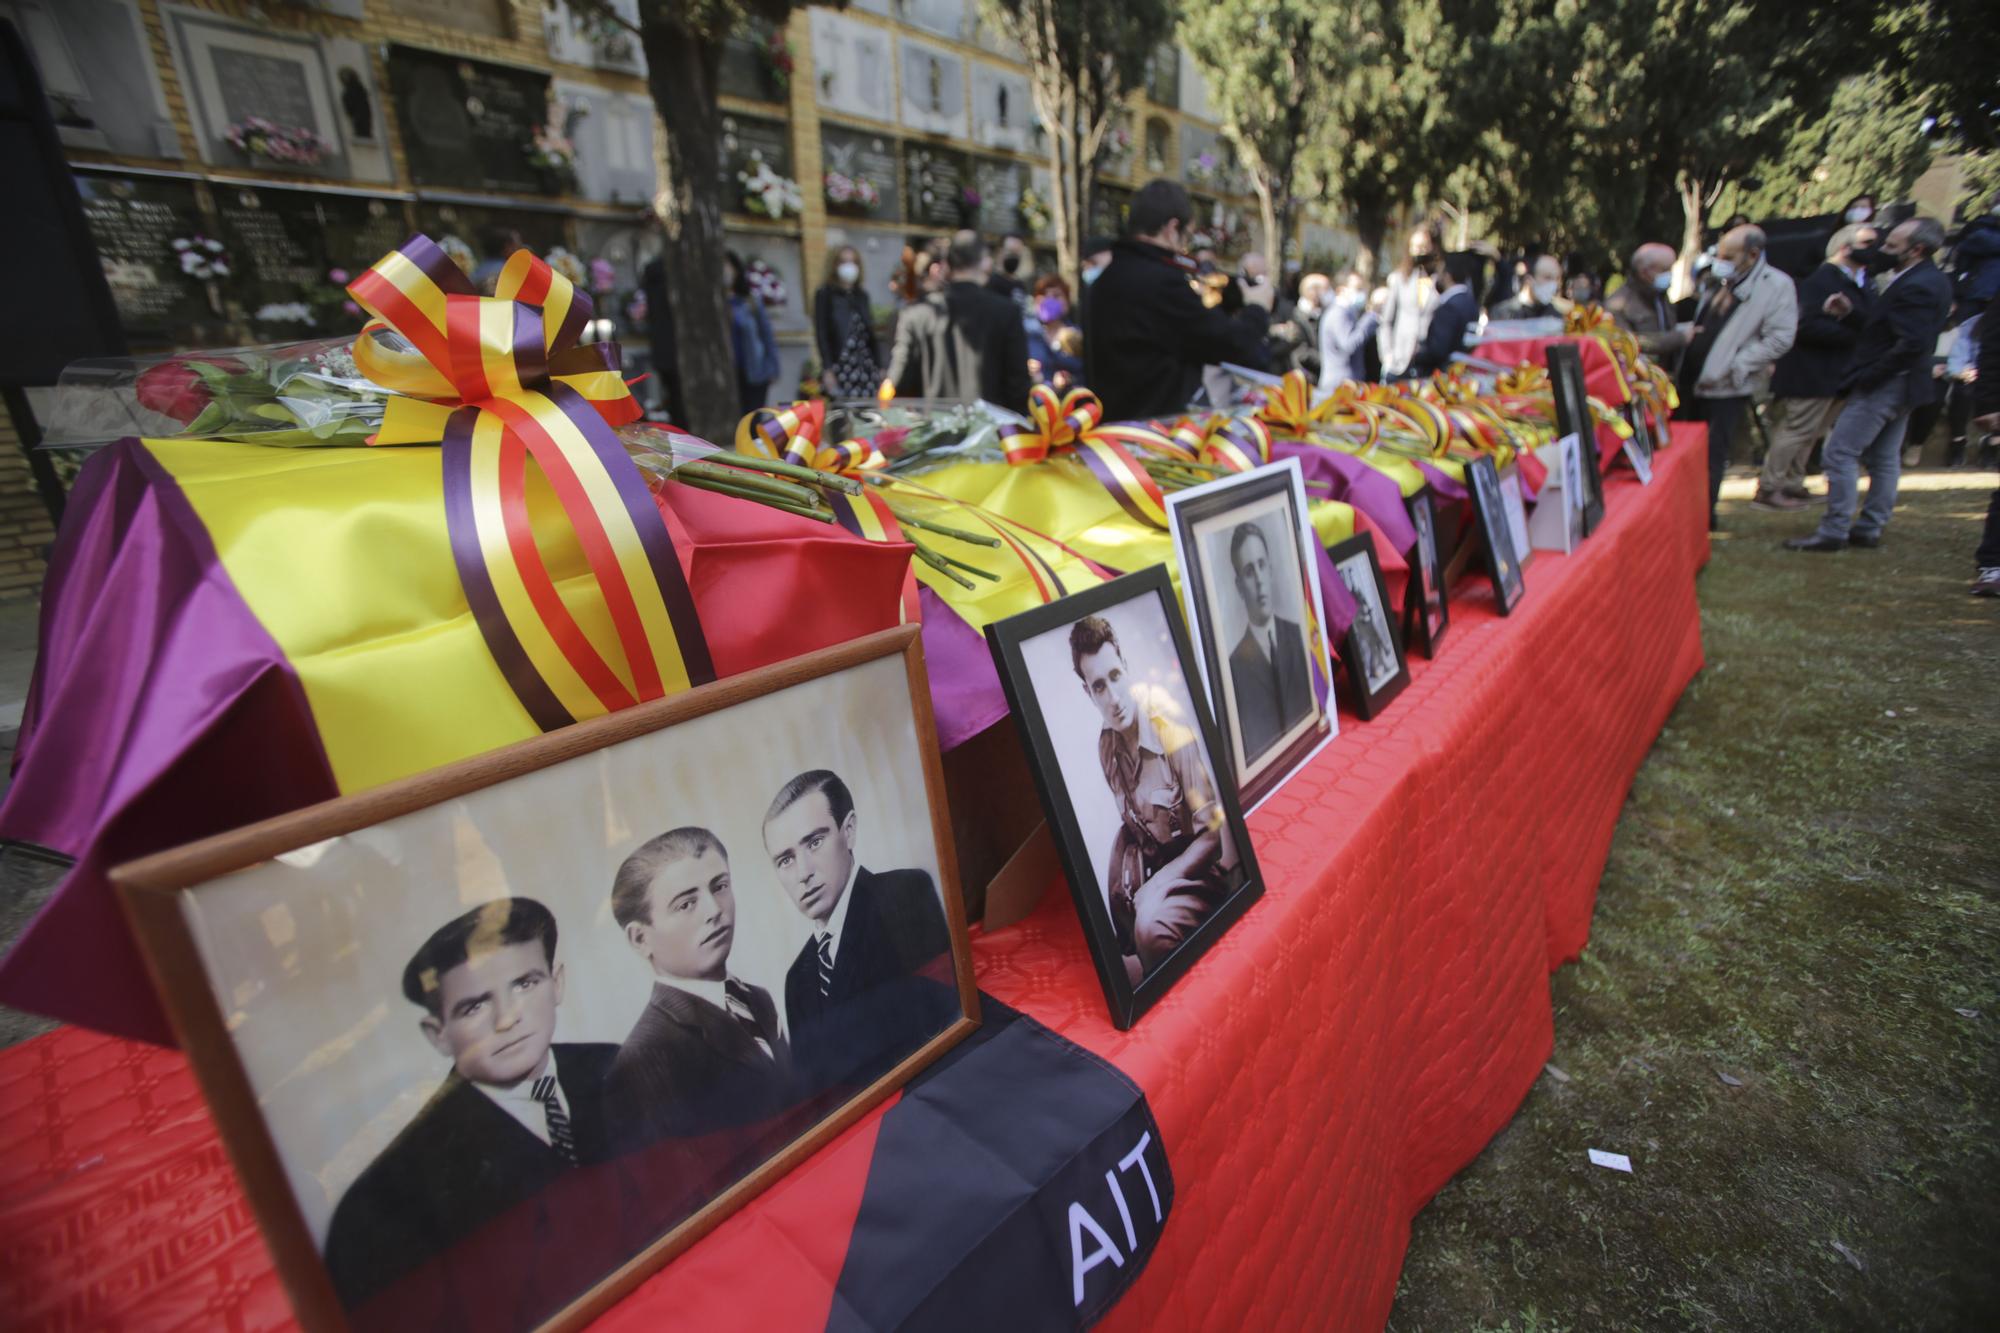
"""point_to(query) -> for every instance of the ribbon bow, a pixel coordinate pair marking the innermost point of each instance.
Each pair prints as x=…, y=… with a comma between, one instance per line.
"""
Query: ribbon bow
x=1072, y=422
x=1234, y=444
x=794, y=435
x=1288, y=407
x=499, y=380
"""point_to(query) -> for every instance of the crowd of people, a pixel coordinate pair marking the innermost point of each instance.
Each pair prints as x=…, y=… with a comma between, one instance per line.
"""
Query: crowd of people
x=1854, y=363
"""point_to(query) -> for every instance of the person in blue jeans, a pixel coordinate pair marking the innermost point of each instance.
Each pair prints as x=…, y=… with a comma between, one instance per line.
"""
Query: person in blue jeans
x=750, y=337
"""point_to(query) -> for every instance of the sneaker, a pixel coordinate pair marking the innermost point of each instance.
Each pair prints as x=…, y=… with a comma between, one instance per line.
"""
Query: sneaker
x=1913, y=456
x=1797, y=490
x=1777, y=502
x=1988, y=582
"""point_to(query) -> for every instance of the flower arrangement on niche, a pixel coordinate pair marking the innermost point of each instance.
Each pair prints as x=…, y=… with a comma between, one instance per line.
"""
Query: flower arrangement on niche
x=286, y=145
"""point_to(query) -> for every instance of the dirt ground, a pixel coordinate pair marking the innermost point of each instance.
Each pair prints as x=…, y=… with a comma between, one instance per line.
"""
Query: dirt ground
x=1789, y=1013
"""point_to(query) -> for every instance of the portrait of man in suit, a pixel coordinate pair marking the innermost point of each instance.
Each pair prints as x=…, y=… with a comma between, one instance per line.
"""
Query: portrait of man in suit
x=1268, y=672
x=852, y=995
x=1169, y=857
x=518, y=1112
x=706, y=1053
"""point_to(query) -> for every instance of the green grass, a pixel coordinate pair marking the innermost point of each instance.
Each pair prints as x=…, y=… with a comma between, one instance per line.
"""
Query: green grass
x=1803, y=894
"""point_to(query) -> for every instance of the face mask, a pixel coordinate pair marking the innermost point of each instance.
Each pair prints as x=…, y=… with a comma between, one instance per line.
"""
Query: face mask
x=1308, y=305
x=1723, y=270
x=1011, y=264
x=1090, y=274
x=1350, y=300
x=848, y=273
x=1874, y=258
x=1545, y=292
x=1050, y=309
x=1860, y=213
x=1662, y=281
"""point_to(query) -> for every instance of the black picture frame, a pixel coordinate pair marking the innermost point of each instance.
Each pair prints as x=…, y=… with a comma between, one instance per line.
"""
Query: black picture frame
x=1192, y=511
x=1130, y=987
x=1639, y=448
x=1373, y=632
x=1422, y=627
x=1503, y=567
x=1572, y=400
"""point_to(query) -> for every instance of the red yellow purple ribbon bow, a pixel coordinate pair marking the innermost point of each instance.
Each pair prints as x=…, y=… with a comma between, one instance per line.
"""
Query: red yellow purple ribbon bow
x=1234, y=444
x=1074, y=421
x=795, y=434
x=500, y=380
x=1288, y=406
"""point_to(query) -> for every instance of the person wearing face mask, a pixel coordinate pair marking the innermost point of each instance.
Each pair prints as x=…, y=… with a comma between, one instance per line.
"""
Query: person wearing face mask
x=1887, y=375
x=1412, y=288
x=1747, y=323
x=1975, y=261
x=1048, y=363
x=1536, y=300
x=1860, y=209
x=1640, y=307
x=1011, y=270
x=1146, y=335
x=964, y=342
x=1807, y=378
x=1346, y=334
x=844, y=329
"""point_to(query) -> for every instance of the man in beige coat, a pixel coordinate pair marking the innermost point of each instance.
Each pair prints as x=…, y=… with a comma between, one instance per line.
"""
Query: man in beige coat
x=1741, y=330
x=1641, y=307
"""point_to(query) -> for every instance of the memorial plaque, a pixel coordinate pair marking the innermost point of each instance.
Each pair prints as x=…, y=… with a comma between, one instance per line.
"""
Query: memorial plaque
x=484, y=234
x=574, y=40
x=745, y=70
x=946, y=18
x=285, y=246
x=851, y=67
x=747, y=140
x=933, y=88
x=97, y=72
x=938, y=179
x=235, y=74
x=1000, y=184
x=134, y=222
x=1108, y=205
x=614, y=144
x=1003, y=110
x=1163, y=76
x=861, y=156
x=468, y=123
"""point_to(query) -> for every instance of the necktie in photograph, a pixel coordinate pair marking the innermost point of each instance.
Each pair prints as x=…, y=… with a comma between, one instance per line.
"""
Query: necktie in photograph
x=739, y=1009
x=826, y=965
x=561, y=1137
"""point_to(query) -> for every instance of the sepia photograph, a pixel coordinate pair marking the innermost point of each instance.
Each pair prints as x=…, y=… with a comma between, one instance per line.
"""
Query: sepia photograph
x=1425, y=613
x=1147, y=824
x=508, y=1027
x=1250, y=586
x=1376, y=669
x=1517, y=512
x=1496, y=531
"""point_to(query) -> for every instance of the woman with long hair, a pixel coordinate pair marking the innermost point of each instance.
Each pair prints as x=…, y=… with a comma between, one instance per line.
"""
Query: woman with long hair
x=1412, y=288
x=850, y=359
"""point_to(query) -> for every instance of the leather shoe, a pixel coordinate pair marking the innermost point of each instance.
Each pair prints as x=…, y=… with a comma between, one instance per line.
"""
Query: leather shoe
x=1865, y=542
x=1814, y=543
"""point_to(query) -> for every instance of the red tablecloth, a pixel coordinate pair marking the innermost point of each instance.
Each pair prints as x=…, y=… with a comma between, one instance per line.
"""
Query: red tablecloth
x=1352, y=1042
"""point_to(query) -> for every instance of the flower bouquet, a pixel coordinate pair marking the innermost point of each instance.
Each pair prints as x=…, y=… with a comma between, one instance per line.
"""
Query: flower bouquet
x=550, y=150
x=286, y=145
x=851, y=194
x=201, y=257
x=765, y=284
x=768, y=194
x=1035, y=211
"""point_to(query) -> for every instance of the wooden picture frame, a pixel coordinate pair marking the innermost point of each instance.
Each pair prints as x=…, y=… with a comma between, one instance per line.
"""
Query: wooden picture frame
x=1370, y=651
x=1572, y=402
x=1270, y=721
x=1489, y=507
x=1426, y=604
x=191, y=909
x=1067, y=681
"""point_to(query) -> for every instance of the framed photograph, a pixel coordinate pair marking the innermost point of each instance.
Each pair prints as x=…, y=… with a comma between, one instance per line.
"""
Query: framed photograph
x=1250, y=583
x=1517, y=512
x=1103, y=687
x=1425, y=614
x=1376, y=669
x=1639, y=445
x=490, y=1044
x=1496, y=532
x=1557, y=523
x=1572, y=399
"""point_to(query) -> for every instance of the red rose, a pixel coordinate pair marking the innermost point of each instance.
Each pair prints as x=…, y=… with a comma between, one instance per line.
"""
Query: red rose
x=173, y=389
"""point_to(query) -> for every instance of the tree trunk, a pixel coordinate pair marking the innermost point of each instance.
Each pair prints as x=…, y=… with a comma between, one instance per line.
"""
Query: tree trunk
x=681, y=74
x=1694, y=209
x=1267, y=222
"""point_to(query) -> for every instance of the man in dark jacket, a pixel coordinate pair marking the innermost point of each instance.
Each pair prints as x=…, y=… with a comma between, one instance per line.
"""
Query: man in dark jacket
x=1807, y=376
x=1146, y=334
x=1886, y=376
x=964, y=342
x=1975, y=260
x=1449, y=318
